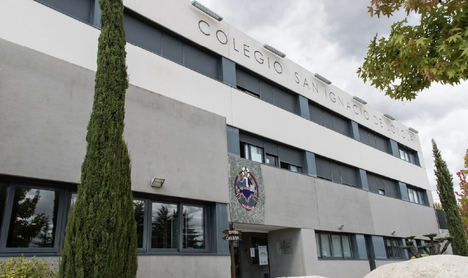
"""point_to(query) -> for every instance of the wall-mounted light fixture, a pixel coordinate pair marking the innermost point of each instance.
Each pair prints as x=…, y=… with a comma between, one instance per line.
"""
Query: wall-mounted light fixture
x=157, y=182
x=413, y=130
x=274, y=50
x=323, y=79
x=389, y=117
x=360, y=100
x=204, y=9
x=341, y=227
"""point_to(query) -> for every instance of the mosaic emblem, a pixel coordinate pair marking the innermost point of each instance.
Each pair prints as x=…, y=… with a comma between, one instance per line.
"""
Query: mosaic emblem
x=246, y=189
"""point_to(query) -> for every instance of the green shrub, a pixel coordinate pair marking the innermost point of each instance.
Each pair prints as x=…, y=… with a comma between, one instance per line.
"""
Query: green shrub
x=19, y=267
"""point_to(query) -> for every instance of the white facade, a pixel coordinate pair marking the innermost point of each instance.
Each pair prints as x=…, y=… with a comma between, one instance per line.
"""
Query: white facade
x=43, y=138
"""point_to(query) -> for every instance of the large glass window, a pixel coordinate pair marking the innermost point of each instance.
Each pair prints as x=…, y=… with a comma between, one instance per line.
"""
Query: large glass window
x=164, y=225
x=34, y=218
x=392, y=247
x=334, y=245
x=417, y=195
x=194, y=230
x=139, y=209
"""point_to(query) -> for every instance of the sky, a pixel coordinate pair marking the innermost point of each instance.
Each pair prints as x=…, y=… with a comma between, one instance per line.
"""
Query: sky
x=331, y=38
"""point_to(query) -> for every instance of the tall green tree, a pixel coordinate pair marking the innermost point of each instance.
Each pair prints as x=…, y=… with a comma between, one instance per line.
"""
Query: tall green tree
x=449, y=203
x=101, y=238
x=414, y=57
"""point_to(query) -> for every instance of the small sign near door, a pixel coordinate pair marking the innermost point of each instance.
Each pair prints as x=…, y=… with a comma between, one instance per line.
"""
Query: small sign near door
x=262, y=255
x=252, y=252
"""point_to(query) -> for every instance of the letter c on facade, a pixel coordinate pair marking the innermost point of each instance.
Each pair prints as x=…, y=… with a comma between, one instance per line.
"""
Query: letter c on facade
x=200, y=27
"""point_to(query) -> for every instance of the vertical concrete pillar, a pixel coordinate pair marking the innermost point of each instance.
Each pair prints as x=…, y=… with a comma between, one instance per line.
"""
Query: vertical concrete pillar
x=228, y=72
x=233, y=145
x=304, y=107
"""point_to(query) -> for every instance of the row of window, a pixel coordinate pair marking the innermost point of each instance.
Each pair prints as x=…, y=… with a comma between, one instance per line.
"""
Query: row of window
x=152, y=37
x=331, y=245
x=275, y=154
x=272, y=153
x=33, y=219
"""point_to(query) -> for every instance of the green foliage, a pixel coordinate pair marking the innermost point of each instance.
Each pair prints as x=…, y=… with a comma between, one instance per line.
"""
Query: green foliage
x=101, y=235
x=19, y=267
x=449, y=203
x=415, y=56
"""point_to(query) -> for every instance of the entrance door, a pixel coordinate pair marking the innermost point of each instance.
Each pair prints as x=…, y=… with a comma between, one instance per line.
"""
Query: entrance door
x=251, y=256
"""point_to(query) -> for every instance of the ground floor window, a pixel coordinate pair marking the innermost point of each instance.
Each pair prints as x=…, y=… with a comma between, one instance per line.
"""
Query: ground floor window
x=393, y=248
x=334, y=245
x=33, y=217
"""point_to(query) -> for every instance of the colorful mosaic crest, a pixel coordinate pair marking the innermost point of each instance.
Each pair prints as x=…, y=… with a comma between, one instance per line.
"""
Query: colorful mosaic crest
x=246, y=189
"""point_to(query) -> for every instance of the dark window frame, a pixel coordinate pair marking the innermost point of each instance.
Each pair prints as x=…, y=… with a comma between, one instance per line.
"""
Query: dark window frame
x=395, y=244
x=352, y=246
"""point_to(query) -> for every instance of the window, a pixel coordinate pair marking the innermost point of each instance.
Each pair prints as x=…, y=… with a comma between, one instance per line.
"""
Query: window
x=271, y=160
x=154, y=38
x=266, y=90
x=252, y=152
x=420, y=244
x=373, y=139
x=272, y=153
x=194, y=229
x=382, y=185
x=329, y=119
x=392, y=248
x=164, y=225
x=417, y=195
x=290, y=167
x=334, y=245
x=336, y=172
x=139, y=210
x=408, y=154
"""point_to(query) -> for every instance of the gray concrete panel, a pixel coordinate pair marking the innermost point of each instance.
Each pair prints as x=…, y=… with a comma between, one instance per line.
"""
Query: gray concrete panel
x=184, y=266
x=404, y=218
x=45, y=109
x=290, y=198
x=286, y=253
x=343, y=205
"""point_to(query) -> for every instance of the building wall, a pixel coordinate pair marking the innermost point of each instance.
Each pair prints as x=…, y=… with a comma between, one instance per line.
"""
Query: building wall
x=51, y=33
x=45, y=108
x=296, y=200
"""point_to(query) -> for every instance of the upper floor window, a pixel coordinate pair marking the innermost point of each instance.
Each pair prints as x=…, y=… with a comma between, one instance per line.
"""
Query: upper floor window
x=408, y=154
x=79, y=9
x=251, y=152
x=266, y=151
x=334, y=245
x=329, y=119
x=336, y=172
x=373, y=139
x=258, y=87
x=417, y=195
x=382, y=185
x=393, y=248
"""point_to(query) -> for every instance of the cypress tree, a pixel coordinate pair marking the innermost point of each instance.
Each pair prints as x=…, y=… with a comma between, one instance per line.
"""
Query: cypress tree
x=101, y=238
x=449, y=203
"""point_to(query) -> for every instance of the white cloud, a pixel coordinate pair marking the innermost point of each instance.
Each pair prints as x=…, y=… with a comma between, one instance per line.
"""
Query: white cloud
x=331, y=37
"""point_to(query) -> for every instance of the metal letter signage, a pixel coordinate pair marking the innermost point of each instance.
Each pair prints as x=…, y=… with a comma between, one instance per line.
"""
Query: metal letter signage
x=231, y=235
x=246, y=189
